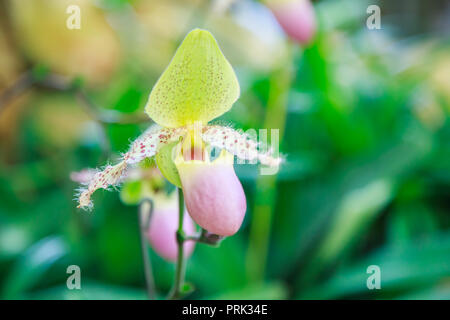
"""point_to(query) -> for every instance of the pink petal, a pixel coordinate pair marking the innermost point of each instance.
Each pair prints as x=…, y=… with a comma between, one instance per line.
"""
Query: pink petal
x=213, y=194
x=162, y=232
x=297, y=19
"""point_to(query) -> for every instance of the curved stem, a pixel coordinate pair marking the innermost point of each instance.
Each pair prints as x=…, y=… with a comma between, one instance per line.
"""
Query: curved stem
x=145, y=213
x=22, y=84
x=180, y=270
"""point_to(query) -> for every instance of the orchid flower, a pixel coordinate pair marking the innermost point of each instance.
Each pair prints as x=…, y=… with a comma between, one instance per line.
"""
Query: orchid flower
x=296, y=17
x=198, y=86
x=163, y=225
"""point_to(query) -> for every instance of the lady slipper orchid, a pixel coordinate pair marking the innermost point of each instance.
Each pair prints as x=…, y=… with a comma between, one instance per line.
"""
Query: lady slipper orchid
x=198, y=85
x=213, y=194
x=163, y=227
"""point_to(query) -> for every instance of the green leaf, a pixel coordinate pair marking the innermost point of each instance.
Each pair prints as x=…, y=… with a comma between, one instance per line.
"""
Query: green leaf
x=358, y=208
x=131, y=192
x=33, y=265
x=166, y=164
x=417, y=264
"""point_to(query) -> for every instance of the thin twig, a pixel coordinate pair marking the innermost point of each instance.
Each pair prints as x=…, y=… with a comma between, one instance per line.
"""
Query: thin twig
x=145, y=214
x=180, y=270
x=61, y=83
x=205, y=237
x=22, y=84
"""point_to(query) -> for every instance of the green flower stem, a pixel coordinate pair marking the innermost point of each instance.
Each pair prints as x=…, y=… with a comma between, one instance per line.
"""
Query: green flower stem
x=180, y=270
x=205, y=237
x=280, y=83
x=145, y=213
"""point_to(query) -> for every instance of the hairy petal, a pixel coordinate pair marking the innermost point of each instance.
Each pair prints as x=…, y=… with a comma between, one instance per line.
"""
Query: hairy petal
x=147, y=145
x=240, y=144
x=111, y=175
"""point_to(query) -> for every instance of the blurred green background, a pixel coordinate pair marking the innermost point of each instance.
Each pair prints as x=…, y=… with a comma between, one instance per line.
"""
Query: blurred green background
x=366, y=179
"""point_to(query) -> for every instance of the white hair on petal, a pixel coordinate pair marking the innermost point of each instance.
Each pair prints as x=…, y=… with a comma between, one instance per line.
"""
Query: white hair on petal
x=147, y=145
x=240, y=144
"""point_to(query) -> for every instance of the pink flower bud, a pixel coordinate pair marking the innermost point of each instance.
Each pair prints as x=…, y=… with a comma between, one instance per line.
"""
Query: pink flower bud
x=296, y=17
x=162, y=231
x=213, y=194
